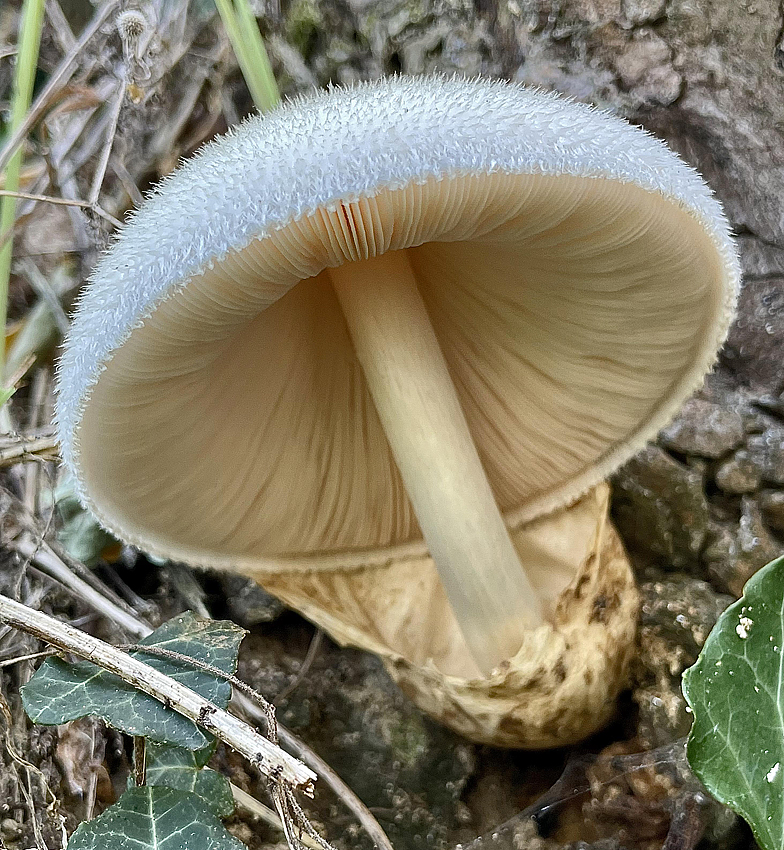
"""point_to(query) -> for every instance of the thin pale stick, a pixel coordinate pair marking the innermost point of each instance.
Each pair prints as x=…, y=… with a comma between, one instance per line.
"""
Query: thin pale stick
x=44, y=289
x=100, y=211
x=65, y=202
x=111, y=131
x=33, y=656
x=310, y=657
x=37, y=398
x=24, y=448
x=43, y=556
x=62, y=29
x=264, y=813
x=26, y=196
x=68, y=570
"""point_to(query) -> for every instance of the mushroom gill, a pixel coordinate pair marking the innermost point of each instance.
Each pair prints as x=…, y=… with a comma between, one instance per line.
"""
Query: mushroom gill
x=236, y=425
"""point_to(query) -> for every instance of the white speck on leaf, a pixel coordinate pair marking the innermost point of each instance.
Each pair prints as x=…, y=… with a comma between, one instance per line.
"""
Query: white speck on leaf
x=743, y=627
x=773, y=772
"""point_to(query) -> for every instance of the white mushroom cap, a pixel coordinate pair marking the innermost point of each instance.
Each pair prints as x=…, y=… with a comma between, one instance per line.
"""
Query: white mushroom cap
x=578, y=275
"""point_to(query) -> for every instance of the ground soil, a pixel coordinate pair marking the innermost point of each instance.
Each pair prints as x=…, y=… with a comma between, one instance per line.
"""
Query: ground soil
x=699, y=511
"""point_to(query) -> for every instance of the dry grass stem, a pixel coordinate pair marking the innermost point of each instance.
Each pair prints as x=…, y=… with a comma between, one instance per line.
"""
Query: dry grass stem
x=110, y=133
x=56, y=82
x=264, y=813
x=310, y=657
x=66, y=202
x=31, y=656
x=14, y=449
x=43, y=556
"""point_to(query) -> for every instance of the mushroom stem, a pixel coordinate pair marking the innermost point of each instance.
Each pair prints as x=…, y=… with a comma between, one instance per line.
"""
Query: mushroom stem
x=491, y=596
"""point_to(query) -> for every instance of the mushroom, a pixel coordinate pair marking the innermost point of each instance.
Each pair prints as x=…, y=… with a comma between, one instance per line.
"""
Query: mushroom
x=381, y=347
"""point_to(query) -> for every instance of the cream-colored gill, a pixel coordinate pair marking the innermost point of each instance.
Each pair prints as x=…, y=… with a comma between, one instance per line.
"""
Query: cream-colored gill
x=235, y=425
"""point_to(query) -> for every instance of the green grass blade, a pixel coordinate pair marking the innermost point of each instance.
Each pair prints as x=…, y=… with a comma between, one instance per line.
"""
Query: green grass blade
x=245, y=38
x=264, y=88
x=24, y=78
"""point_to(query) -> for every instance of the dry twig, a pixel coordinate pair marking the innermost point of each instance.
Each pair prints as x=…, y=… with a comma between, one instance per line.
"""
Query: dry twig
x=41, y=554
x=259, y=751
x=259, y=810
x=14, y=449
x=65, y=202
x=310, y=657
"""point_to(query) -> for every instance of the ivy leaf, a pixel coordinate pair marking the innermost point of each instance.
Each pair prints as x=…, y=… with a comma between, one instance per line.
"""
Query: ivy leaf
x=60, y=692
x=175, y=767
x=155, y=818
x=736, y=691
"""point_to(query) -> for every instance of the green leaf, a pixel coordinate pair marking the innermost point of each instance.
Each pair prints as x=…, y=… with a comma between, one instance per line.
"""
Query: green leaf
x=37, y=334
x=60, y=692
x=81, y=536
x=736, y=691
x=202, y=756
x=78, y=532
x=153, y=818
x=175, y=767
